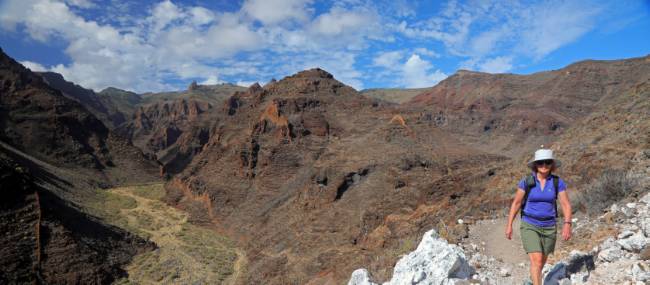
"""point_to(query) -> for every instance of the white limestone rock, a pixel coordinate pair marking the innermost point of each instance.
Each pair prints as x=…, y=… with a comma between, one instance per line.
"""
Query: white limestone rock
x=645, y=199
x=644, y=223
x=361, y=277
x=633, y=243
x=611, y=254
x=434, y=262
x=640, y=272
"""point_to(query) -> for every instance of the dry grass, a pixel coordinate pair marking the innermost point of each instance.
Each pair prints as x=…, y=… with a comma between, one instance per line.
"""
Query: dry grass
x=187, y=254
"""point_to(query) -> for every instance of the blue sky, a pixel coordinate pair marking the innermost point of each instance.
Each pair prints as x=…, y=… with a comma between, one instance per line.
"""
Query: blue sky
x=164, y=45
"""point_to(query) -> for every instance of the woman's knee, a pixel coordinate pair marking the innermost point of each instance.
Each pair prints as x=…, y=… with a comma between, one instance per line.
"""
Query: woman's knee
x=536, y=259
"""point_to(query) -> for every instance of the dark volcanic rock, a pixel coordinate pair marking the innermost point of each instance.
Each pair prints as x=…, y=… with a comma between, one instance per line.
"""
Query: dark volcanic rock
x=45, y=240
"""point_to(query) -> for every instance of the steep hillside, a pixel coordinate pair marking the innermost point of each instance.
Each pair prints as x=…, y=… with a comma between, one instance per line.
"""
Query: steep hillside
x=46, y=240
x=214, y=94
x=312, y=177
x=40, y=121
x=171, y=131
x=394, y=95
x=503, y=112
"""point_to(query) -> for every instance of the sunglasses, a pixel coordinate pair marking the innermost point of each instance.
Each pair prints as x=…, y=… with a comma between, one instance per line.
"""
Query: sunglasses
x=544, y=162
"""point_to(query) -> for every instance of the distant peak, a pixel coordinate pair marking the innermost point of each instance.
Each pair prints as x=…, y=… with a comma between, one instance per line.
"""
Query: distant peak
x=313, y=73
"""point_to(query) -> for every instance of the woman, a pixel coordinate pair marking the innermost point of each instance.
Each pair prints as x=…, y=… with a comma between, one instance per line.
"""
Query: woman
x=538, y=220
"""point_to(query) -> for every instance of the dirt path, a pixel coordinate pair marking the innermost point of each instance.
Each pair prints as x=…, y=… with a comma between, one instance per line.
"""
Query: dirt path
x=490, y=236
x=186, y=254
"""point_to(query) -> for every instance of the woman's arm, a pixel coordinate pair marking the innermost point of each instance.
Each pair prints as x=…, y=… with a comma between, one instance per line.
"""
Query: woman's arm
x=566, y=211
x=514, y=209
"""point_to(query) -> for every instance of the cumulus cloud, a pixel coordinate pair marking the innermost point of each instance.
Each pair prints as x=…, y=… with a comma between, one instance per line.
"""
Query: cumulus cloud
x=275, y=11
x=33, y=66
x=169, y=41
x=417, y=73
x=488, y=29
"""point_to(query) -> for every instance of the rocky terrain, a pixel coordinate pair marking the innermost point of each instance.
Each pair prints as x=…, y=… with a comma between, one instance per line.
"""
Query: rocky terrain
x=289, y=161
x=623, y=258
x=394, y=95
x=312, y=179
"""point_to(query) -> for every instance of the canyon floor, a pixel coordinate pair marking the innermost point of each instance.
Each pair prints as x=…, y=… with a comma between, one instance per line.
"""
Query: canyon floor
x=186, y=253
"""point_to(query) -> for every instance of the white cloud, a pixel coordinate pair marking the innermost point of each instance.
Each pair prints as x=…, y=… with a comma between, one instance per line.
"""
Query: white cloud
x=498, y=64
x=211, y=80
x=275, y=11
x=427, y=52
x=33, y=66
x=389, y=59
x=489, y=29
x=417, y=73
x=81, y=3
x=555, y=24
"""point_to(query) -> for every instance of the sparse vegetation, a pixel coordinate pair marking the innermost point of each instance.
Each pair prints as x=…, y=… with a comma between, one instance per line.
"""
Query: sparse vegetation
x=187, y=254
x=610, y=187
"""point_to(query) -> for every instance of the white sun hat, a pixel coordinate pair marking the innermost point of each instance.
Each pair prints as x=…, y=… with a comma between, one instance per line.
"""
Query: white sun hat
x=544, y=154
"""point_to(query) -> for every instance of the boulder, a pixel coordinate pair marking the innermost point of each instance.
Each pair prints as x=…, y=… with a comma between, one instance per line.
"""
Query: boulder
x=641, y=272
x=610, y=254
x=360, y=277
x=633, y=243
x=435, y=261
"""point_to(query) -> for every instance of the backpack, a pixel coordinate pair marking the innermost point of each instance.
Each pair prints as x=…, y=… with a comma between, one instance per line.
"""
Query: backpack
x=530, y=184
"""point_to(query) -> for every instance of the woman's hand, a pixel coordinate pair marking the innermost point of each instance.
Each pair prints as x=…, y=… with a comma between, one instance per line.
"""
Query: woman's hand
x=509, y=232
x=566, y=231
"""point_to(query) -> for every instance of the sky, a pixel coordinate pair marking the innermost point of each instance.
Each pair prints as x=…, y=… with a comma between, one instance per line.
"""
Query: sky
x=150, y=46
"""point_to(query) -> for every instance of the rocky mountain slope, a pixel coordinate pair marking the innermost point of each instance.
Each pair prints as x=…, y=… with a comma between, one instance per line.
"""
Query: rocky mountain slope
x=394, y=95
x=314, y=179
x=46, y=240
x=287, y=163
x=502, y=112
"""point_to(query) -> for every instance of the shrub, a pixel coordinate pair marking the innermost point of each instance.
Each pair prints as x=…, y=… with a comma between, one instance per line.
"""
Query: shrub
x=612, y=186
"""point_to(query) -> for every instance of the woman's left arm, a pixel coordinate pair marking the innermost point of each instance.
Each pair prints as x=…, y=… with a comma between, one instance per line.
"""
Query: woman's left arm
x=566, y=211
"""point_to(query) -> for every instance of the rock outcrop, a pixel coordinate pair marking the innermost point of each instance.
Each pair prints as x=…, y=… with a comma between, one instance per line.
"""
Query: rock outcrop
x=433, y=262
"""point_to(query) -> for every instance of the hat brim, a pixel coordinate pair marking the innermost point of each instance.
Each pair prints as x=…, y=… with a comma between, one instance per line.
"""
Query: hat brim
x=557, y=163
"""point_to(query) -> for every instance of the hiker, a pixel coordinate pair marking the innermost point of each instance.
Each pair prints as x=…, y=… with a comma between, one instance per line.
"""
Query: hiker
x=537, y=196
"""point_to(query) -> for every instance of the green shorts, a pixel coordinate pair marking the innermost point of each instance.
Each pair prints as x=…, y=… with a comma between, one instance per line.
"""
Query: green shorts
x=538, y=239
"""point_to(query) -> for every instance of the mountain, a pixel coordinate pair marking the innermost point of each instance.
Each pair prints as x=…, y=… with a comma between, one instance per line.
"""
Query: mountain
x=172, y=130
x=214, y=94
x=45, y=240
x=503, y=112
x=394, y=95
x=316, y=179
x=304, y=172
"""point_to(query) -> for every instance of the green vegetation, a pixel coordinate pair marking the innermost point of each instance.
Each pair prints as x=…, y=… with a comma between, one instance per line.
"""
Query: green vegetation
x=186, y=254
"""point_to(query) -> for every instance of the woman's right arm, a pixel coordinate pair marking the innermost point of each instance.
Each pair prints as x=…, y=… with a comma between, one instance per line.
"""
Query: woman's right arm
x=514, y=209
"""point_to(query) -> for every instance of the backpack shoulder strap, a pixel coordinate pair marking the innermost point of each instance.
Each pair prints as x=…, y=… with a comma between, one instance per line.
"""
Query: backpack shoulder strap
x=556, y=186
x=530, y=184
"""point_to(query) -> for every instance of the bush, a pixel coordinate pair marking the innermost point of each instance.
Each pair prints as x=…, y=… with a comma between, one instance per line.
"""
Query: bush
x=612, y=186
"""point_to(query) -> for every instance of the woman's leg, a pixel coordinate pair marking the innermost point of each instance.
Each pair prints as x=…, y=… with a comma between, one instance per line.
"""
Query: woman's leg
x=537, y=260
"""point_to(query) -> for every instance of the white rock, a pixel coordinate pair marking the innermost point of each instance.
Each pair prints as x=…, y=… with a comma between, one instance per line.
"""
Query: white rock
x=644, y=223
x=460, y=221
x=613, y=209
x=631, y=205
x=610, y=254
x=435, y=261
x=625, y=234
x=645, y=199
x=504, y=272
x=640, y=272
x=628, y=212
x=634, y=243
x=360, y=277
x=574, y=220
x=609, y=243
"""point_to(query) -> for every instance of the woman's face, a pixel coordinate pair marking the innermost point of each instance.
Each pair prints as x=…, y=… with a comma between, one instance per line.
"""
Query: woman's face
x=544, y=166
